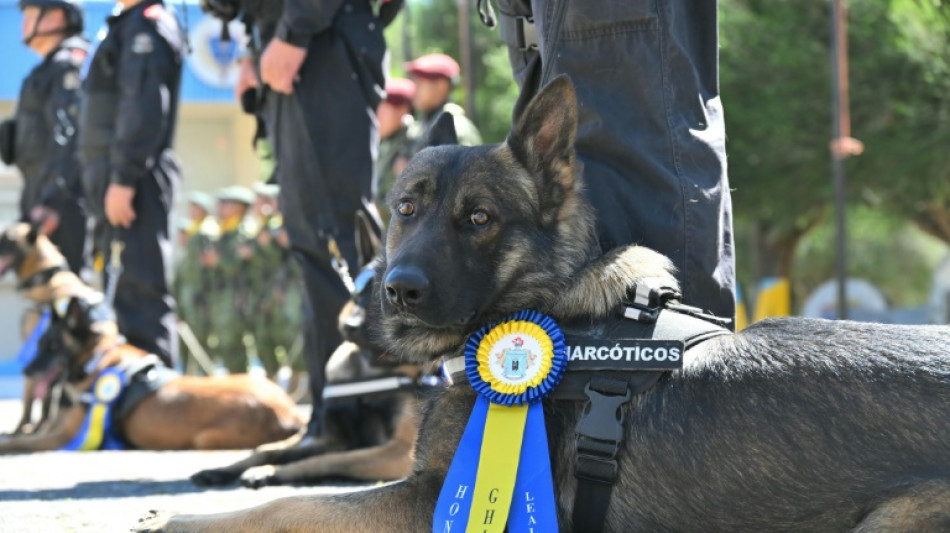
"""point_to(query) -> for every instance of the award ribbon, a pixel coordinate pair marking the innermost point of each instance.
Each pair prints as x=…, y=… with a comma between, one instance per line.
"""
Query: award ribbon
x=501, y=472
x=96, y=431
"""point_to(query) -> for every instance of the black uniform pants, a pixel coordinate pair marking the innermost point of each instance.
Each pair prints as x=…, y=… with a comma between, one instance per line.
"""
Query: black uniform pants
x=650, y=132
x=324, y=137
x=144, y=306
x=70, y=235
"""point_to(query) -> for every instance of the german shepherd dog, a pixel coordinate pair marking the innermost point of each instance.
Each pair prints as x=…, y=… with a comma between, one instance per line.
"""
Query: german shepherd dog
x=365, y=438
x=180, y=412
x=790, y=425
x=41, y=270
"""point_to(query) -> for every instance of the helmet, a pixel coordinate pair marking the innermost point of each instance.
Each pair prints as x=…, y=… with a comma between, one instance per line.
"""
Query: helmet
x=72, y=8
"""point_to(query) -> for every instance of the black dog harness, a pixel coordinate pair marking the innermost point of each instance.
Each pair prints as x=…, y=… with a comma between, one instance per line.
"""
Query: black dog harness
x=609, y=364
x=142, y=378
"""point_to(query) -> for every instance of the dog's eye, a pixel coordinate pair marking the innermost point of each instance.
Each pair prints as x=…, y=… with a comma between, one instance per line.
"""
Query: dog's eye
x=480, y=217
x=406, y=208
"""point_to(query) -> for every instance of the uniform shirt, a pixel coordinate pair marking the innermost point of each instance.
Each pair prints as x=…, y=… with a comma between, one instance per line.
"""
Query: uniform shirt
x=132, y=88
x=44, y=135
x=392, y=149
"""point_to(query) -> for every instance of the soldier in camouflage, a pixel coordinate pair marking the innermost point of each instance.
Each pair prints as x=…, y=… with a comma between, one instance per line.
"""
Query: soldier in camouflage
x=394, y=116
x=276, y=301
x=193, y=281
x=229, y=260
x=435, y=76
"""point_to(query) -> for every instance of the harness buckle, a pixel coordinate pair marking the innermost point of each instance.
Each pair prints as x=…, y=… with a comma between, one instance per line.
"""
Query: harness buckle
x=600, y=431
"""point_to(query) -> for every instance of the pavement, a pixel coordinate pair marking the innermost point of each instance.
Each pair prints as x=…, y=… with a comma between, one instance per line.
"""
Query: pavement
x=101, y=492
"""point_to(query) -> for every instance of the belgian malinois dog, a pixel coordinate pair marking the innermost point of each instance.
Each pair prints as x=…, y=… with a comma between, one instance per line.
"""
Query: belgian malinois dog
x=181, y=412
x=368, y=438
x=41, y=270
x=790, y=425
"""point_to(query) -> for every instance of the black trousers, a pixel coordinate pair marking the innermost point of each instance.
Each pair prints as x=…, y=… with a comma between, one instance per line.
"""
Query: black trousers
x=70, y=235
x=650, y=132
x=324, y=137
x=145, y=309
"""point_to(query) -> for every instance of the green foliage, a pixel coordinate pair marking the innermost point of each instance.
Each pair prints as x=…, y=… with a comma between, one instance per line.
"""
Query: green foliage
x=776, y=89
x=883, y=249
x=432, y=26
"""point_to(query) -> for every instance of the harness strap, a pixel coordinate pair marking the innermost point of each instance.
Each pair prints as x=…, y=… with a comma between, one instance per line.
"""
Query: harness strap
x=381, y=385
x=599, y=434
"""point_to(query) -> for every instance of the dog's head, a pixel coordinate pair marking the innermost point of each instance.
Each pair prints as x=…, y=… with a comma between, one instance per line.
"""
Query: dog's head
x=84, y=324
x=359, y=313
x=478, y=233
x=25, y=250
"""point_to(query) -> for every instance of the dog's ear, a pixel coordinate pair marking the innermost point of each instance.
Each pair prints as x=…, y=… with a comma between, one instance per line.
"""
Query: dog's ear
x=442, y=131
x=34, y=233
x=368, y=244
x=543, y=136
x=74, y=316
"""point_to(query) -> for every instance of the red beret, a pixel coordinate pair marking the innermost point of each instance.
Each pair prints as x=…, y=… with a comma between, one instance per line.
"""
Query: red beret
x=399, y=91
x=433, y=66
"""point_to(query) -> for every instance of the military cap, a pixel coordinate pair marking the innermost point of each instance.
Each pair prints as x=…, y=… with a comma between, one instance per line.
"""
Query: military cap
x=434, y=66
x=236, y=193
x=399, y=91
x=202, y=200
x=267, y=190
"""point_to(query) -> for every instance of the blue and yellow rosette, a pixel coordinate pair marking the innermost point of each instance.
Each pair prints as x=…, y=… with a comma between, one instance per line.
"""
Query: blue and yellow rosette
x=501, y=473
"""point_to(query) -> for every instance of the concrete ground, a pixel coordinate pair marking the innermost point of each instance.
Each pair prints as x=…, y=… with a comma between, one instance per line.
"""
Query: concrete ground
x=102, y=492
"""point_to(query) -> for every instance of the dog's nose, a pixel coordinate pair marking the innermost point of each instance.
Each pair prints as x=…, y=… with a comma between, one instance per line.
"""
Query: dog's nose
x=406, y=286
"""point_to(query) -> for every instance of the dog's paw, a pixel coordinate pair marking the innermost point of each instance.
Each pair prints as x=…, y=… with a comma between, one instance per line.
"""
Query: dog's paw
x=259, y=476
x=214, y=477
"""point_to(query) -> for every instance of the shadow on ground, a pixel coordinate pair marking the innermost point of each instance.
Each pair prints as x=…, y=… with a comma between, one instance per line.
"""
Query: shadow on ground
x=125, y=488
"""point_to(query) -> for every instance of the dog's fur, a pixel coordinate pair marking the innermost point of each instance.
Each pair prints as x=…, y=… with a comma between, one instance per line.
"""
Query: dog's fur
x=187, y=412
x=367, y=439
x=28, y=252
x=790, y=425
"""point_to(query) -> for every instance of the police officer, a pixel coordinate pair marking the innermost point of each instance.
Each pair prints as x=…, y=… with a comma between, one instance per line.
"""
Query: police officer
x=324, y=69
x=41, y=137
x=129, y=172
x=394, y=116
x=435, y=76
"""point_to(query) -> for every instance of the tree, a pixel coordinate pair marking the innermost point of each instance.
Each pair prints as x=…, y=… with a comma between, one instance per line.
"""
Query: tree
x=776, y=91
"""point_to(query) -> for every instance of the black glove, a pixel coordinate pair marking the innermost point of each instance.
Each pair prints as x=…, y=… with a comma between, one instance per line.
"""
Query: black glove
x=7, y=141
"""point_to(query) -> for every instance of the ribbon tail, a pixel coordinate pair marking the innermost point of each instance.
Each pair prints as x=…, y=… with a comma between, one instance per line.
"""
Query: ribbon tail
x=533, y=508
x=455, y=499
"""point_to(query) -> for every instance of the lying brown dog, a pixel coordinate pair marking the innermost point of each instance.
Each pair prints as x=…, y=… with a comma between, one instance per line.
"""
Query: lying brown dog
x=168, y=411
x=40, y=270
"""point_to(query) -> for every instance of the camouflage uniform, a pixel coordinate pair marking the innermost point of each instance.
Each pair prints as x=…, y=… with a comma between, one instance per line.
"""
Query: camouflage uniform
x=193, y=282
x=277, y=305
x=231, y=281
x=391, y=150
